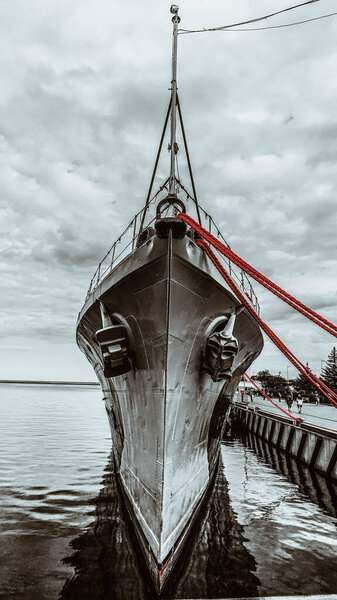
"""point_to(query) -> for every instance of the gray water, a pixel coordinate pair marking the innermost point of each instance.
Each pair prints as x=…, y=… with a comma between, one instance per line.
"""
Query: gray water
x=268, y=529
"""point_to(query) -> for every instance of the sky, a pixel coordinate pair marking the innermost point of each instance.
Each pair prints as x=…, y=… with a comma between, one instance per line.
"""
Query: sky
x=83, y=94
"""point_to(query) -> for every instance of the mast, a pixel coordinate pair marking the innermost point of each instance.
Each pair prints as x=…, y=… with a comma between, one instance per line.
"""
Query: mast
x=173, y=147
x=173, y=109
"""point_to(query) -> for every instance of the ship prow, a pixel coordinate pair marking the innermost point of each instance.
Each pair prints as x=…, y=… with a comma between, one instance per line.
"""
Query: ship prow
x=167, y=411
x=169, y=342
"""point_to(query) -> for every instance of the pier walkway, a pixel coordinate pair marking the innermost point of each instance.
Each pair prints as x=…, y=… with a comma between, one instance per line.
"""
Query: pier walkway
x=323, y=415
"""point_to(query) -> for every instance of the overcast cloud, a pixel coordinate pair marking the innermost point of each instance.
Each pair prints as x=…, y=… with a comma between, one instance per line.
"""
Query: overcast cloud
x=84, y=89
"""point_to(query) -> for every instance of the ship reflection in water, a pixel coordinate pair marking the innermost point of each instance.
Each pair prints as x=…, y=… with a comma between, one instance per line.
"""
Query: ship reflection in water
x=320, y=490
x=287, y=545
x=108, y=563
x=289, y=517
x=50, y=468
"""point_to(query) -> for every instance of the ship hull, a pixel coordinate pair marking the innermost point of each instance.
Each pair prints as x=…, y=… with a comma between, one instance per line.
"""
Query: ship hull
x=166, y=414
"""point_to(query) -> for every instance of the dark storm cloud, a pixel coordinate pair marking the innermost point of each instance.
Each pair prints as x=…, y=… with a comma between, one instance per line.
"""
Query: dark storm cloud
x=83, y=95
x=66, y=247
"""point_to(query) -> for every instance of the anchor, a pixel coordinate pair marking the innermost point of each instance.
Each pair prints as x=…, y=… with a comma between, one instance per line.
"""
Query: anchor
x=113, y=341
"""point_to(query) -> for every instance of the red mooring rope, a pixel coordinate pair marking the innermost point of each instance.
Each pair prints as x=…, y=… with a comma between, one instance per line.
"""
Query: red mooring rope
x=272, y=401
x=262, y=279
x=307, y=312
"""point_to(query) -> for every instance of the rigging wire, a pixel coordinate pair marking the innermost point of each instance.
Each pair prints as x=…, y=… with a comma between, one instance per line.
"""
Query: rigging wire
x=188, y=159
x=155, y=167
x=184, y=31
x=281, y=26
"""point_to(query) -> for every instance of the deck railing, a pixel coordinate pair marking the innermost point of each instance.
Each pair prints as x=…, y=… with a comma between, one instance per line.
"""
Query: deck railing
x=129, y=240
x=239, y=276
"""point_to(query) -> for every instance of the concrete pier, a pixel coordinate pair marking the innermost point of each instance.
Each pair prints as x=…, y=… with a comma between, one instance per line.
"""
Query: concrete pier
x=312, y=445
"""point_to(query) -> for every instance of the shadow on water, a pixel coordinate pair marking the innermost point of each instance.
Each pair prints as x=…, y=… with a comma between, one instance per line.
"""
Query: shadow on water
x=109, y=565
x=316, y=487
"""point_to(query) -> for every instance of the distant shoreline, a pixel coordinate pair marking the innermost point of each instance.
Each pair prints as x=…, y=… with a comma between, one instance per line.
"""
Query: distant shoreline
x=39, y=382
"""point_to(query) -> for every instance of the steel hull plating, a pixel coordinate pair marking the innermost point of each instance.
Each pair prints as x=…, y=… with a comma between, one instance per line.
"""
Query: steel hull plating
x=166, y=415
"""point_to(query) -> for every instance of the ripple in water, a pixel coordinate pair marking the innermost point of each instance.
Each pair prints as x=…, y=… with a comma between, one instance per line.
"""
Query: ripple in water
x=265, y=514
x=53, y=446
x=109, y=564
x=289, y=518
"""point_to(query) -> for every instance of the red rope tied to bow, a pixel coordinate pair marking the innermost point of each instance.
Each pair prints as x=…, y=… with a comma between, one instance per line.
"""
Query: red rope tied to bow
x=262, y=279
x=272, y=401
x=316, y=382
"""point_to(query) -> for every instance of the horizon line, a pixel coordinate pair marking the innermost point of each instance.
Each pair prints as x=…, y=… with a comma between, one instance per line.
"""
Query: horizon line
x=48, y=382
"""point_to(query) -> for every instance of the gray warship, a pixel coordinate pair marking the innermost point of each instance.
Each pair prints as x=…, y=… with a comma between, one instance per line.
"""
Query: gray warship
x=169, y=343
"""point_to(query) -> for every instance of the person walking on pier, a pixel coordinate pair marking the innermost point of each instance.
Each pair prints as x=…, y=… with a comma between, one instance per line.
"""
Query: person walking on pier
x=289, y=402
x=299, y=403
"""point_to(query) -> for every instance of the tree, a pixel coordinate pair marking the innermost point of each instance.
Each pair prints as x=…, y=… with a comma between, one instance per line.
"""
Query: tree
x=263, y=377
x=329, y=371
x=304, y=387
x=273, y=384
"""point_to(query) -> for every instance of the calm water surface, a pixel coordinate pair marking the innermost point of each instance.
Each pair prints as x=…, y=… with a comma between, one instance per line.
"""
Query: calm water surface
x=269, y=528
x=289, y=519
x=53, y=449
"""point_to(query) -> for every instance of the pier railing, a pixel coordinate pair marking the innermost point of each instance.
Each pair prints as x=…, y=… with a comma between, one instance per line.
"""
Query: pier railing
x=239, y=276
x=314, y=445
x=130, y=239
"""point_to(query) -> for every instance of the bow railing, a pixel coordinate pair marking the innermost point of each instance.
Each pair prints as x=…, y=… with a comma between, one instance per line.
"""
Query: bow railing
x=121, y=248
x=130, y=239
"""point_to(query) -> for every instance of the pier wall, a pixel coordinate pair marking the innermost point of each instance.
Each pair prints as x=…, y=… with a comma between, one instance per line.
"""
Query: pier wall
x=312, y=445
